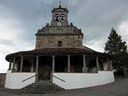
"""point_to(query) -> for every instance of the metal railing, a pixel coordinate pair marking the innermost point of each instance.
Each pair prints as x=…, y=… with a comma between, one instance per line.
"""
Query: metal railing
x=59, y=78
x=28, y=78
x=36, y=75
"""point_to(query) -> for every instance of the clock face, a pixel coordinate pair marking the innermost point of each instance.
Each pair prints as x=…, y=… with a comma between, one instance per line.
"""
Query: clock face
x=59, y=24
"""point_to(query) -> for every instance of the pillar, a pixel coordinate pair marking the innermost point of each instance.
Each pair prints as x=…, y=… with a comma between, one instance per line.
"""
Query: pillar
x=68, y=63
x=110, y=65
x=37, y=65
x=53, y=63
x=53, y=67
x=97, y=63
x=32, y=66
x=13, y=66
x=21, y=63
x=9, y=66
x=84, y=64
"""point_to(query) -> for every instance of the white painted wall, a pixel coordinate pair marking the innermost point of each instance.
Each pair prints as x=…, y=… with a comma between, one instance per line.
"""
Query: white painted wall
x=14, y=80
x=83, y=80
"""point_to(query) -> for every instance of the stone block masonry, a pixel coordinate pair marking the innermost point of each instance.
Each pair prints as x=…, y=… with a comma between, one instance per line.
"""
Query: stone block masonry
x=2, y=79
x=52, y=41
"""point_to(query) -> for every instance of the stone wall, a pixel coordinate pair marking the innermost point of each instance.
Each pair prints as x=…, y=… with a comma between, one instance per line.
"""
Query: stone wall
x=51, y=41
x=2, y=79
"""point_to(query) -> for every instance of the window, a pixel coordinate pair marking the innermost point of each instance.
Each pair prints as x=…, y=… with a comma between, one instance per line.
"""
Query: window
x=59, y=43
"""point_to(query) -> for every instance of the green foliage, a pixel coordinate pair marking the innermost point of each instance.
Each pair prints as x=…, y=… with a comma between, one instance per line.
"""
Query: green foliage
x=118, y=49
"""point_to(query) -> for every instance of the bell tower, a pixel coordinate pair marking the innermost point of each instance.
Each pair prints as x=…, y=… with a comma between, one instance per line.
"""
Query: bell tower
x=59, y=33
x=59, y=16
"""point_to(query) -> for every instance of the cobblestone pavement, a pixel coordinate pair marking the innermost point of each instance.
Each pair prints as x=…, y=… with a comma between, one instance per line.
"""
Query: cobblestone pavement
x=118, y=88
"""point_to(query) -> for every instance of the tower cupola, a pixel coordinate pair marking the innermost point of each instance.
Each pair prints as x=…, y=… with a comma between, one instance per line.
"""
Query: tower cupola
x=59, y=16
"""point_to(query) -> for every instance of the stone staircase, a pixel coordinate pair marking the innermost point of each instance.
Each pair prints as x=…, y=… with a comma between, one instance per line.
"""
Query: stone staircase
x=42, y=86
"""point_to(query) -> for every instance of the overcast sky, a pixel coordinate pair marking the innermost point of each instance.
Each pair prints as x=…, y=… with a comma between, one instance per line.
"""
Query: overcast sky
x=20, y=20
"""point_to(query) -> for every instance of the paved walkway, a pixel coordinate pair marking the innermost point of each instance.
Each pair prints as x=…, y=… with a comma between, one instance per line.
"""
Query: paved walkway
x=118, y=88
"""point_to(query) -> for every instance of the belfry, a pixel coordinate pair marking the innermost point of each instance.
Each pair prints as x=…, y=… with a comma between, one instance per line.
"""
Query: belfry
x=60, y=57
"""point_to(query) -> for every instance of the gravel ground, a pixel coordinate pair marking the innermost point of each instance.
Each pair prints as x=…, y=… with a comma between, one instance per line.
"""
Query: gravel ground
x=118, y=88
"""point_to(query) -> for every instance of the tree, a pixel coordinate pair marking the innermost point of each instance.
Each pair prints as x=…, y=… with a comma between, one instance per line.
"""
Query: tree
x=117, y=49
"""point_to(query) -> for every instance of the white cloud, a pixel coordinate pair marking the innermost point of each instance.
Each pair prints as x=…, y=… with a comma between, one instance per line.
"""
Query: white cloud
x=95, y=16
x=97, y=45
x=123, y=30
x=11, y=37
x=8, y=31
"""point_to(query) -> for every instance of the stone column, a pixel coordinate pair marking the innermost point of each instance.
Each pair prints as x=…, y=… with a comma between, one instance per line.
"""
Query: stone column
x=32, y=66
x=53, y=63
x=53, y=68
x=21, y=63
x=84, y=64
x=37, y=65
x=97, y=63
x=110, y=65
x=69, y=63
x=13, y=67
x=9, y=66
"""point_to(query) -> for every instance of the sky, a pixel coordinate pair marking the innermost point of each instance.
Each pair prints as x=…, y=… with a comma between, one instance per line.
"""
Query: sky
x=20, y=20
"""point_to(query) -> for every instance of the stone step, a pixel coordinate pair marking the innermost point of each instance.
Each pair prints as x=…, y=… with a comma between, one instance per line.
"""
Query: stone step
x=42, y=86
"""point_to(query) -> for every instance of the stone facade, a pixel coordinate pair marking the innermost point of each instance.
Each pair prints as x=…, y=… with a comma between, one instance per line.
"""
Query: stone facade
x=67, y=41
x=59, y=34
x=50, y=37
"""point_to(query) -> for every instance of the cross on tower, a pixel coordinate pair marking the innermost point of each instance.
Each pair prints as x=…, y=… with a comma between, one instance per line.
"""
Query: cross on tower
x=60, y=2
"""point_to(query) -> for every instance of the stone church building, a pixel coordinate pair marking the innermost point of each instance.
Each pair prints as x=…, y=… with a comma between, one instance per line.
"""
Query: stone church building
x=59, y=56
